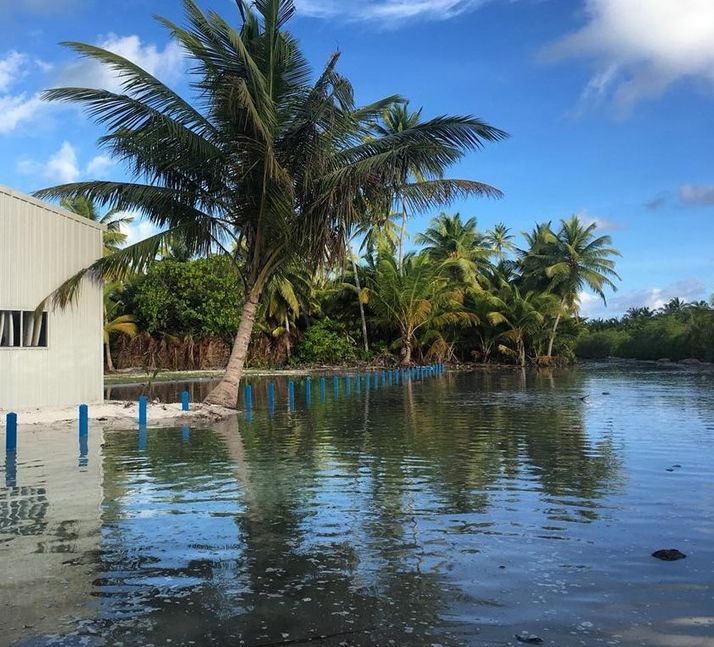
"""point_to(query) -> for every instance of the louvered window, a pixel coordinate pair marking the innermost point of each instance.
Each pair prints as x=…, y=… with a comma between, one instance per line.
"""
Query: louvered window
x=23, y=329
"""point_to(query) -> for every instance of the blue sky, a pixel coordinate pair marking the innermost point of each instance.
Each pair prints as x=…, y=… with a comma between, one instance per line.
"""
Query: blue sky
x=609, y=103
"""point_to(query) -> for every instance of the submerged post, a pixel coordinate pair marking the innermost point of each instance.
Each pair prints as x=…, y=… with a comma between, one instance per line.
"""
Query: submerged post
x=11, y=432
x=83, y=420
x=184, y=401
x=291, y=395
x=335, y=385
x=323, y=389
x=308, y=392
x=142, y=411
x=248, y=396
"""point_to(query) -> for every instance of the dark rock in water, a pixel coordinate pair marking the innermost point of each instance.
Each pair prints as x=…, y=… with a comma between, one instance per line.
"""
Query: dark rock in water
x=676, y=465
x=528, y=639
x=668, y=554
x=669, y=469
x=606, y=392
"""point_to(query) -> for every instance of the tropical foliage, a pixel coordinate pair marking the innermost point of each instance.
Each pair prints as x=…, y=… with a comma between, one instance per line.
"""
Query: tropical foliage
x=265, y=163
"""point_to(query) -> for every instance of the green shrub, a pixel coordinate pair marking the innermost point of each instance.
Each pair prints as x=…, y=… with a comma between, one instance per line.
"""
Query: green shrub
x=325, y=342
x=601, y=344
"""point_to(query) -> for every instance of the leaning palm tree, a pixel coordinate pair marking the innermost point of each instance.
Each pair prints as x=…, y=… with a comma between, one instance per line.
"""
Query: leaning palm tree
x=264, y=164
x=114, y=322
x=113, y=220
x=579, y=259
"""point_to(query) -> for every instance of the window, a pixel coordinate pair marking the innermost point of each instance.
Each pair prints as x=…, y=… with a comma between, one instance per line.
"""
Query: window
x=23, y=329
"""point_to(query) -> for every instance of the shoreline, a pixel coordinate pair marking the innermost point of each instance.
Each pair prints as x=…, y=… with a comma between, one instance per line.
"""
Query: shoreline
x=121, y=414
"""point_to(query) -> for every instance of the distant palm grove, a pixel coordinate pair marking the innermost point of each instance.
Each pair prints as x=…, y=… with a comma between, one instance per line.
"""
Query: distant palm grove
x=283, y=207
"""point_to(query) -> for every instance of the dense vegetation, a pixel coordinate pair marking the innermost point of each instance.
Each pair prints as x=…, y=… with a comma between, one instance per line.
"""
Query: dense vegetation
x=462, y=294
x=676, y=331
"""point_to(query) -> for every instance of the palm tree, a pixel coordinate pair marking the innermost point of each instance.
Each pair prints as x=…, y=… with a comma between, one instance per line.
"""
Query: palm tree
x=500, y=240
x=521, y=315
x=265, y=165
x=115, y=323
x=579, y=259
x=398, y=119
x=415, y=297
x=449, y=238
x=114, y=237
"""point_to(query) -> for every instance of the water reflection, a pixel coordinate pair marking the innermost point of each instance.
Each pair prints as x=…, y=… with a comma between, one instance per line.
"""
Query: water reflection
x=450, y=511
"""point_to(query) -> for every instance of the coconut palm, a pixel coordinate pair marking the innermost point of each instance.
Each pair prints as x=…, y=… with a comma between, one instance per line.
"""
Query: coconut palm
x=115, y=323
x=500, y=240
x=416, y=297
x=579, y=259
x=520, y=315
x=113, y=220
x=264, y=161
x=450, y=238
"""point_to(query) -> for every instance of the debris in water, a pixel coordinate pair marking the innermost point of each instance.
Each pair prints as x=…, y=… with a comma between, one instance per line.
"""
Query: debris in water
x=668, y=554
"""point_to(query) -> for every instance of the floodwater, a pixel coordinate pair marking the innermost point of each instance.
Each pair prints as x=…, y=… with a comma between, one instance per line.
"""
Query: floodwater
x=456, y=510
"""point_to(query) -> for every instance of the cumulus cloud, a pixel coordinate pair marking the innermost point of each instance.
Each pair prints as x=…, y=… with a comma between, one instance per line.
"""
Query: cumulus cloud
x=16, y=109
x=12, y=66
x=689, y=289
x=640, y=48
x=397, y=10
x=64, y=166
x=166, y=63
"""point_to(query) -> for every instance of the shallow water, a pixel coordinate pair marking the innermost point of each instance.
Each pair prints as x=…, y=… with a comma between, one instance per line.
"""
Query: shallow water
x=457, y=510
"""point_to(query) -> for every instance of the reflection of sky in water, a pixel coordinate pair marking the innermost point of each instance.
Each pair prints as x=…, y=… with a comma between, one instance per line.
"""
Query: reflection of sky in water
x=445, y=512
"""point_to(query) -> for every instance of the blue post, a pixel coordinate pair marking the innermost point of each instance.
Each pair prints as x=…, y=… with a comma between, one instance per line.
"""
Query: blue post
x=142, y=411
x=184, y=401
x=10, y=469
x=358, y=383
x=308, y=392
x=248, y=396
x=185, y=434
x=143, y=438
x=83, y=419
x=11, y=433
x=348, y=384
x=335, y=385
x=291, y=395
x=323, y=389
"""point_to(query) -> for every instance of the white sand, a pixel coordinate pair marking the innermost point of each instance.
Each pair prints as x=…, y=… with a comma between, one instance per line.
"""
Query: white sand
x=117, y=413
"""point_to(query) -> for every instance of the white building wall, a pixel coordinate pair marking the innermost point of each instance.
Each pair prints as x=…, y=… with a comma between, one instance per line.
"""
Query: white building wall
x=41, y=247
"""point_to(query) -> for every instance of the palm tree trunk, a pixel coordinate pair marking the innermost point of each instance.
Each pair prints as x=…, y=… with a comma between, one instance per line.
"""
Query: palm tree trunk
x=108, y=355
x=407, y=359
x=226, y=393
x=402, y=234
x=288, y=348
x=555, y=328
x=522, y=353
x=363, y=319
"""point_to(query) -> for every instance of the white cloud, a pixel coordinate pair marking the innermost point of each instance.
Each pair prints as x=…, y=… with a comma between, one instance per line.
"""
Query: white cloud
x=641, y=47
x=11, y=68
x=137, y=230
x=690, y=289
x=16, y=110
x=165, y=63
x=99, y=165
x=64, y=166
x=396, y=10
x=697, y=193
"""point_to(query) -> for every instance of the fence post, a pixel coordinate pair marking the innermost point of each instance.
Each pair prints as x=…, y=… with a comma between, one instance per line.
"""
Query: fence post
x=11, y=432
x=184, y=401
x=142, y=411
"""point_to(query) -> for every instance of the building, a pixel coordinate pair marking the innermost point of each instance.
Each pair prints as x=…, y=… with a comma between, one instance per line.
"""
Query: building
x=53, y=359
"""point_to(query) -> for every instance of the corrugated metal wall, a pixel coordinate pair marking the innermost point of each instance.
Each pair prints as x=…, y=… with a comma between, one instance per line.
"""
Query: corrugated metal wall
x=40, y=247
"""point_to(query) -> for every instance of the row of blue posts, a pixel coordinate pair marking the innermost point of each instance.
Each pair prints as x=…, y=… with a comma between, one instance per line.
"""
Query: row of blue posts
x=11, y=432
x=350, y=383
